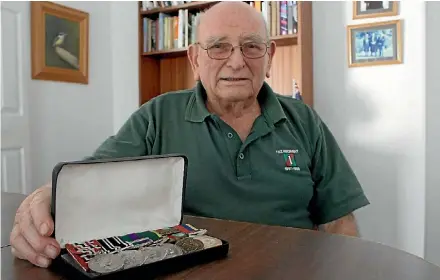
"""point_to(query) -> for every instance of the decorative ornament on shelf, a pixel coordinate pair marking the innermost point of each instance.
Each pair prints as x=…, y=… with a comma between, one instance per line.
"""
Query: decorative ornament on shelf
x=295, y=90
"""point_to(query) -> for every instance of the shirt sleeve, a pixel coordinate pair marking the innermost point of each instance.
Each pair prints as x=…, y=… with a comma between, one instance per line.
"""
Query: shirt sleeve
x=337, y=190
x=133, y=139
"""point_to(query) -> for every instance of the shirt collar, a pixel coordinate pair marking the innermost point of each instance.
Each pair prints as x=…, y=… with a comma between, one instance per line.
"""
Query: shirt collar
x=270, y=105
x=196, y=110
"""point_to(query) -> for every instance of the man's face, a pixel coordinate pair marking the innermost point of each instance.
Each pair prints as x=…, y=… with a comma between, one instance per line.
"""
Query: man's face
x=237, y=77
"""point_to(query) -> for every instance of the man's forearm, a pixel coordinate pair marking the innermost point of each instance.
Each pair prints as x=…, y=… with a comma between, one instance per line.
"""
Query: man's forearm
x=345, y=226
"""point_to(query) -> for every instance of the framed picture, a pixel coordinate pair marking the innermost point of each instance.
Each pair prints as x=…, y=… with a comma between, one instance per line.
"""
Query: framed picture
x=60, y=43
x=372, y=9
x=378, y=43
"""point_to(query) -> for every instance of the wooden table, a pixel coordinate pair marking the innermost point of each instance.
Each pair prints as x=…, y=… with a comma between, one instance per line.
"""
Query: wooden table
x=260, y=252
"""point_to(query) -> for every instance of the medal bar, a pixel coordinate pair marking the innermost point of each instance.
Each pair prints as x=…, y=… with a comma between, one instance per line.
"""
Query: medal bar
x=89, y=251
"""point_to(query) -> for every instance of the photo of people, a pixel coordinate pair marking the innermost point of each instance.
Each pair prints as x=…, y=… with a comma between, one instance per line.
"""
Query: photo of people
x=375, y=43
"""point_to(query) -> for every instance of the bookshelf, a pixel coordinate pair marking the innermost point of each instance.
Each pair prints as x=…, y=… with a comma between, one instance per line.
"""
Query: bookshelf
x=192, y=6
x=164, y=66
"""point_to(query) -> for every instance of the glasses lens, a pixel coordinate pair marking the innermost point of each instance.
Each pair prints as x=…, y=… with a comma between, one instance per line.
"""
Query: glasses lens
x=254, y=50
x=220, y=50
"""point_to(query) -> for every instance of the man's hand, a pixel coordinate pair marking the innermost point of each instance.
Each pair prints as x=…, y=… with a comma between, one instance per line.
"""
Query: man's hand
x=345, y=226
x=30, y=237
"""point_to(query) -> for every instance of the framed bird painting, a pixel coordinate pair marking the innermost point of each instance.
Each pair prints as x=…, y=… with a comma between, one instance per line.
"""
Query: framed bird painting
x=60, y=43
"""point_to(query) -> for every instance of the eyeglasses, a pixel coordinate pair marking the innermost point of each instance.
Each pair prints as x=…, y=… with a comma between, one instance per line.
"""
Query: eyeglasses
x=224, y=50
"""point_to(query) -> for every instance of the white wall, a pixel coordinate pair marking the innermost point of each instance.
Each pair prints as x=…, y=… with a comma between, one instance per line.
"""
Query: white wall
x=432, y=132
x=68, y=121
x=378, y=116
x=125, y=60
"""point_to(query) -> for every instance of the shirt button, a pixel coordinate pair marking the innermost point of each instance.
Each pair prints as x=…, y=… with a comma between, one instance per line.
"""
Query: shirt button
x=241, y=156
x=230, y=135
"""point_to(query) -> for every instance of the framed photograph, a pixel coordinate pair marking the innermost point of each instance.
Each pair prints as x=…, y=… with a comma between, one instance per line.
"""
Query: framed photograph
x=372, y=9
x=60, y=43
x=378, y=43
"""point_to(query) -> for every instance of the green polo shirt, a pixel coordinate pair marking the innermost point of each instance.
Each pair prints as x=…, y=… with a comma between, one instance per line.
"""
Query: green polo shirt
x=289, y=171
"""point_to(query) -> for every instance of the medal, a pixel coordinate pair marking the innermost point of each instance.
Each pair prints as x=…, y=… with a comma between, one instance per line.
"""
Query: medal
x=208, y=241
x=189, y=244
x=171, y=250
x=83, y=252
x=190, y=227
x=132, y=258
x=141, y=242
x=118, y=252
x=140, y=236
x=105, y=263
x=152, y=254
x=177, y=236
x=113, y=244
x=90, y=247
x=167, y=231
x=198, y=232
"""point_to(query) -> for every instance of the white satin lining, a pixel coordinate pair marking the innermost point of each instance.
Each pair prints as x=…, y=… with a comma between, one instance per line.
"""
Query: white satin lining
x=99, y=200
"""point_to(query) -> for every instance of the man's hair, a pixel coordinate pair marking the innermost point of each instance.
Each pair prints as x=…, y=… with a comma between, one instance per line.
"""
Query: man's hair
x=199, y=19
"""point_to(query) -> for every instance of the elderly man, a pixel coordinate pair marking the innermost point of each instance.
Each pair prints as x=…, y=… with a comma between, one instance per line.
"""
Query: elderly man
x=253, y=155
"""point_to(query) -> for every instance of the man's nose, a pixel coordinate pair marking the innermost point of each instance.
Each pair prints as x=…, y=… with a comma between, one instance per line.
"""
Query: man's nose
x=236, y=60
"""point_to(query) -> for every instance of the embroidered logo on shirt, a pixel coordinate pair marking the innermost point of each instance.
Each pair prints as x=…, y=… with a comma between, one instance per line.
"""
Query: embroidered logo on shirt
x=289, y=159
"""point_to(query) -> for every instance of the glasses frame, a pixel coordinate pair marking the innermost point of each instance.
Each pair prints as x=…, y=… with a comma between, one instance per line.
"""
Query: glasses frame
x=232, y=49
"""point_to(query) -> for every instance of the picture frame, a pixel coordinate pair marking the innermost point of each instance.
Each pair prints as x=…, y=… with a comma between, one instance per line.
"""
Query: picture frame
x=59, y=43
x=374, y=9
x=376, y=43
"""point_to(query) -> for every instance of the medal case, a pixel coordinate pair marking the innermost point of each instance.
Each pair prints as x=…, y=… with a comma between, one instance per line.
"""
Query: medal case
x=99, y=199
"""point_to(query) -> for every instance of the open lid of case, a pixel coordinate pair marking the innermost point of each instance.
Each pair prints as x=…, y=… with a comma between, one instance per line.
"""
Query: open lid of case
x=113, y=197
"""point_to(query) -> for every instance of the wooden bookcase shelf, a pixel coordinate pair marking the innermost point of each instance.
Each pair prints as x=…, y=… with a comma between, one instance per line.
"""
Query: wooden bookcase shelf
x=166, y=70
x=166, y=53
x=193, y=6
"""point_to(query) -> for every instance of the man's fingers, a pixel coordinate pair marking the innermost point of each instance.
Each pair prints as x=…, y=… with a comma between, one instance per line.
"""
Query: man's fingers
x=16, y=253
x=33, y=225
x=23, y=250
x=29, y=232
x=42, y=245
x=40, y=213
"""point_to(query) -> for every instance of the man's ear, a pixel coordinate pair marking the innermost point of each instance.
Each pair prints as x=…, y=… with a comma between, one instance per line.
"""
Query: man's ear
x=193, y=55
x=271, y=53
